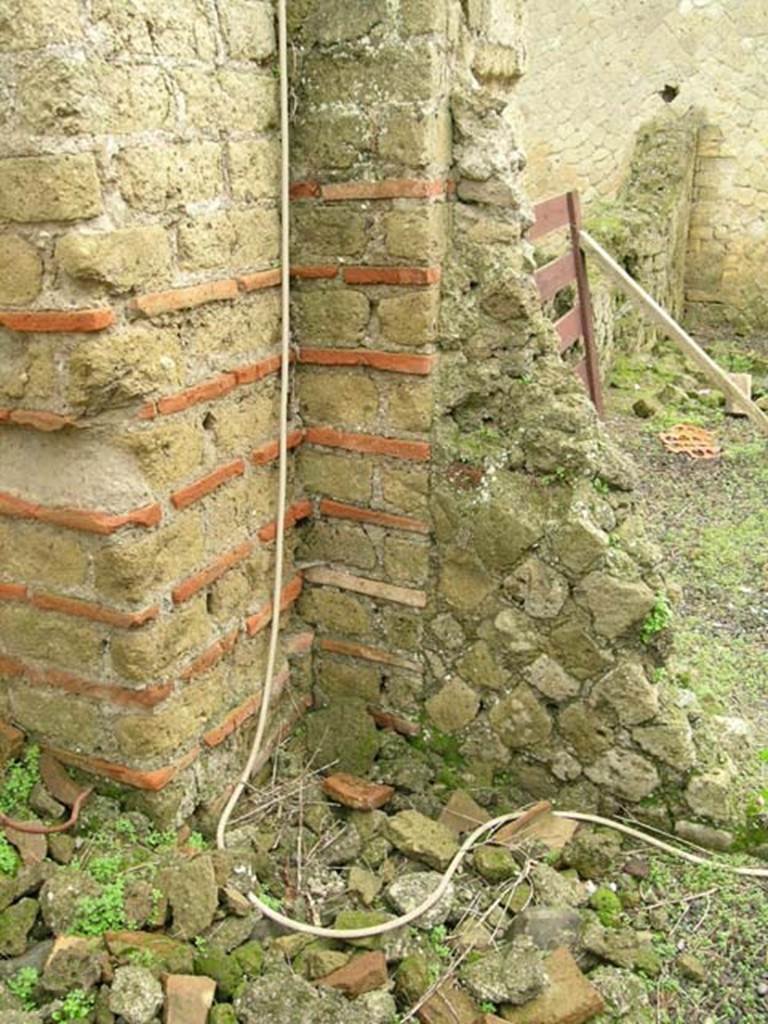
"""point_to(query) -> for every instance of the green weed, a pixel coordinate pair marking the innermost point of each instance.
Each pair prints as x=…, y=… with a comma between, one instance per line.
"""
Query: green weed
x=9, y=859
x=23, y=985
x=657, y=620
x=21, y=777
x=76, y=1006
x=103, y=913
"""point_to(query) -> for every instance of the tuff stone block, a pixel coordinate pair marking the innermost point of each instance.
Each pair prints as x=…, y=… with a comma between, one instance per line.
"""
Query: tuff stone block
x=410, y=319
x=147, y=654
x=415, y=138
x=156, y=178
x=345, y=399
x=253, y=169
x=417, y=234
x=60, y=640
x=232, y=240
x=167, y=451
x=327, y=233
x=347, y=477
x=36, y=553
x=330, y=315
x=336, y=612
x=42, y=188
x=32, y=24
x=102, y=97
x=249, y=29
x=116, y=369
x=21, y=270
x=410, y=406
x=120, y=260
x=231, y=98
x=183, y=29
x=405, y=488
x=406, y=74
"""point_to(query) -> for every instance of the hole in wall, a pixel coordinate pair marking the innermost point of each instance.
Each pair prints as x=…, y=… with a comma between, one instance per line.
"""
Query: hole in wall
x=209, y=603
x=209, y=421
x=670, y=93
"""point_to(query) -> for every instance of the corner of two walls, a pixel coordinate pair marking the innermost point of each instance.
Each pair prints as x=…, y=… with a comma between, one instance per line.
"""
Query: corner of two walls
x=463, y=529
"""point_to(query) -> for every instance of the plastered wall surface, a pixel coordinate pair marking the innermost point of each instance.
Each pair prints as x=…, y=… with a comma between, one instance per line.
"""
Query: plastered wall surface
x=596, y=72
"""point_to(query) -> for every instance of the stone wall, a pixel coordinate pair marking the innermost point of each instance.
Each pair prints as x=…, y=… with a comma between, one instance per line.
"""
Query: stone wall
x=138, y=358
x=482, y=575
x=599, y=71
x=461, y=542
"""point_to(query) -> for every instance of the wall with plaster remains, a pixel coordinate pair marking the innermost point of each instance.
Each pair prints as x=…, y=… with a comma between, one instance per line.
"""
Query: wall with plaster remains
x=462, y=543
x=598, y=71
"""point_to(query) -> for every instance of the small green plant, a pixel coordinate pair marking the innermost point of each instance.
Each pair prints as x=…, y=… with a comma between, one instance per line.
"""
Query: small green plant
x=657, y=619
x=160, y=840
x=21, y=777
x=608, y=906
x=9, y=860
x=103, y=913
x=23, y=985
x=270, y=901
x=126, y=829
x=197, y=842
x=601, y=486
x=488, y=1007
x=105, y=869
x=77, y=1005
x=201, y=944
x=143, y=958
x=437, y=940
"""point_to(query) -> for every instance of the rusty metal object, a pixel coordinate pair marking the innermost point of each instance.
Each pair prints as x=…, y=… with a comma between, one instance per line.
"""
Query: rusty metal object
x=45, y=830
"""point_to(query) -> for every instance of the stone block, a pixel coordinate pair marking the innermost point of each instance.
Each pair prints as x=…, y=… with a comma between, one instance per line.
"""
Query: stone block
x=330, y=315
x=405, y=74
x=341, y=398
x=343, y=735
x=249, y=29
x=570, y=997
x=337, y=21
x=625, y=774
x=41, y=554
x=416, y=139
x=46, y=188
x=107, y=371
x=410, y=405
x=132, y=566
x=330, y=139
x=628, y=693
x=406, y=488
x=159, y=178
x=410, y=319
x=454, y=706
x=153, y=28
x=40, y=712
x=32, y=24
x=121, y=260
x=405, y=561
x=417, y=234
x=521, y=720
x=337, y=680
x=167, y=451
x=146, y=654
x=230, y=98
x=420, y=16
x=616, y=605
x=21, y=271
x=101, y=97
x=329, y=541
x=244, y=420
x=188, y=999
x=254, y=169
x=62, y=640
x=324, y=234
x=232, y=240
x=336, y=612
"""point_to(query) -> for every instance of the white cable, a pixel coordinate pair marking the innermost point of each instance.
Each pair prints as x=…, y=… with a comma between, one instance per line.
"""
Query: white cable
x=256, y=751
x=282, y=472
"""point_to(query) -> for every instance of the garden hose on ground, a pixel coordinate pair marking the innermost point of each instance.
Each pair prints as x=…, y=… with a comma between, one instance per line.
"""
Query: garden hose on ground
x=521, y=817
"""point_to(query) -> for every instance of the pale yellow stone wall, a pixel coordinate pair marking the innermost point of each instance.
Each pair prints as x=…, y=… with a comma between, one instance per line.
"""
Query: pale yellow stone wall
x=595, y=75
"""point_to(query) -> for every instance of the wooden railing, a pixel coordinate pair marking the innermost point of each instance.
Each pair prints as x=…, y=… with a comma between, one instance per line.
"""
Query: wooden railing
x=576, y=326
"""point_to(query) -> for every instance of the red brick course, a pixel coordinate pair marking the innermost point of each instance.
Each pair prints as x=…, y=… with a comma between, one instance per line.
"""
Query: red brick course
x=294, y=513
x=371, y=444
x=156, y=303
x=200, y=488
x=79, y=519
x=392, y=362
x=151, y=780
x=60, y=321
x=340, y=510
x=392, y=275
x=121, y=696
x=269, y=452
x=256, y=622
x=193, y=584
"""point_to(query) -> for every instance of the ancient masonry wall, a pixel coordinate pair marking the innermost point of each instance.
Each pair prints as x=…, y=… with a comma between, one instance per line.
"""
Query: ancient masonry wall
x=462, y=544
x=599, y=71
x=139, y=321
x=482, y=576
